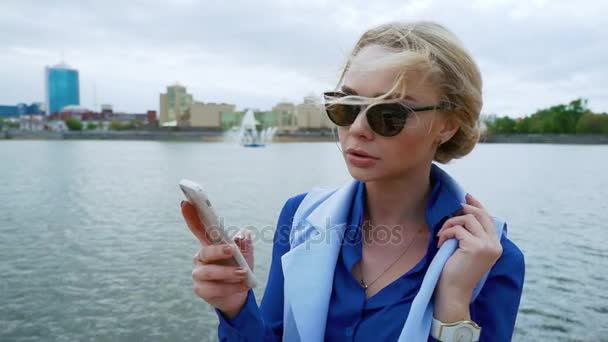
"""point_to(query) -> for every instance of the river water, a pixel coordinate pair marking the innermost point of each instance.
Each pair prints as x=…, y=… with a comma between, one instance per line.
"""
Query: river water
x=93, y=247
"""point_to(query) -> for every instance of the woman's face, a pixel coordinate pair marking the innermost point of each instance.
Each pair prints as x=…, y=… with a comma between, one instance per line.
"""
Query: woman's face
x=390, y=157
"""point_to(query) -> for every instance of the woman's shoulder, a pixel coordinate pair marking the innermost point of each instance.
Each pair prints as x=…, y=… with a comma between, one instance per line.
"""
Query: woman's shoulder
x=312, y=197
x=512, y=259
x=294, y=202
x=288, y=211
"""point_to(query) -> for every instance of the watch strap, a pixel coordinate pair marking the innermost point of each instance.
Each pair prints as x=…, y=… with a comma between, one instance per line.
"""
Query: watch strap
x=444, y=331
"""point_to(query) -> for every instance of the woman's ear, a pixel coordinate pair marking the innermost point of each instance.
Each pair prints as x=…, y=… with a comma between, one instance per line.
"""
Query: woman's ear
x=449, y=127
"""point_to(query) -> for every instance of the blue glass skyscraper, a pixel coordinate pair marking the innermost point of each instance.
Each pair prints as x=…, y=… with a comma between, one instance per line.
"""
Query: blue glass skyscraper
x=62, y=87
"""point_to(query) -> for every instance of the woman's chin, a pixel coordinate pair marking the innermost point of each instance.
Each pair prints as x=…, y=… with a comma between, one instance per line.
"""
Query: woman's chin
x=364, y=175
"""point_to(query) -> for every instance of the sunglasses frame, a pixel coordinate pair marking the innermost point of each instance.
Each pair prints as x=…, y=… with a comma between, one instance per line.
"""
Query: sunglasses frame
x=406, y=111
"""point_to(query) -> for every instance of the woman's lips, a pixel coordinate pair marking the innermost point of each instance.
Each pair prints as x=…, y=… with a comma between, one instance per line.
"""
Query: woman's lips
x=360, y=158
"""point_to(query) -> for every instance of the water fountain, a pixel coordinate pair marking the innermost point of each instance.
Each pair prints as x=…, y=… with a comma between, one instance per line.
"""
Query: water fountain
x=249, y=135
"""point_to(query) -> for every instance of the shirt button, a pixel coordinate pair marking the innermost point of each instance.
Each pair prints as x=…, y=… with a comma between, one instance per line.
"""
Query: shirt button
x=349, y=331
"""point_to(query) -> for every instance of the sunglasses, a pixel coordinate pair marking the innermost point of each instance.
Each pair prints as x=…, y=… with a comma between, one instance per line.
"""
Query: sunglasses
x=386, y=119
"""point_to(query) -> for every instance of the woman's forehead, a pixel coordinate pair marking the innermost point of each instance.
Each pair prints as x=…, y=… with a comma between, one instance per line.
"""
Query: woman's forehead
x=365, y=77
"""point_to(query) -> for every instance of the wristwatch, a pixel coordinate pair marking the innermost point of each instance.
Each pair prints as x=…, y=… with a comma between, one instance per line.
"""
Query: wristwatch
x=461, y=331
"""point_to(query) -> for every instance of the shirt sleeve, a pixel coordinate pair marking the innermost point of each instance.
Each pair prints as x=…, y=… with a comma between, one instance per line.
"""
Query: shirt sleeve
x=264, y=323
x=495, y=309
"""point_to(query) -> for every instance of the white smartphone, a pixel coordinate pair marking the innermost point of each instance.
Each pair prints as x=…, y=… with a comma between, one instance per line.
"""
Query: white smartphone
x=215, y=228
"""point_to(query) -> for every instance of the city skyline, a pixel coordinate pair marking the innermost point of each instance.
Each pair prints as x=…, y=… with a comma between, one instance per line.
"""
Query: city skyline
x=531, y=55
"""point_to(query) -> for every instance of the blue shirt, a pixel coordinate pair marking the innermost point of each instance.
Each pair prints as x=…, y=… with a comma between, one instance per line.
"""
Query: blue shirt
x=351, y=316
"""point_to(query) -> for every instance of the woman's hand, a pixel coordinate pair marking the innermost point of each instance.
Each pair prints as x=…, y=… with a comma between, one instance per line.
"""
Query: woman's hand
x=478, y=250
x=216, y=277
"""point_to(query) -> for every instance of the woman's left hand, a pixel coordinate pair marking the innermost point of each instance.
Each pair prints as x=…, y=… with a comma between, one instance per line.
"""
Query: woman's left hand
x=478, y=250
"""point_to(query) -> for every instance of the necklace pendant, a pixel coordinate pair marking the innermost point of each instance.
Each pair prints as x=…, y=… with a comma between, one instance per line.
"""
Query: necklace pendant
x=363, y=284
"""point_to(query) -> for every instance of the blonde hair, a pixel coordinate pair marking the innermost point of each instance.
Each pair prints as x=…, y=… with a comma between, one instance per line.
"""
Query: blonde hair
x=433, y=49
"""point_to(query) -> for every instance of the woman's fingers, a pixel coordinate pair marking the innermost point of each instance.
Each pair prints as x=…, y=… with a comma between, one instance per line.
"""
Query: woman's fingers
x=243, y=240
x=469, y=221
x=487, y=222
x=476, y=208
x=219, y=272
x=457, y=231
x=217, y=289
x=476, y=225
x=194, y=223
x=214, y=253
x=472, y=201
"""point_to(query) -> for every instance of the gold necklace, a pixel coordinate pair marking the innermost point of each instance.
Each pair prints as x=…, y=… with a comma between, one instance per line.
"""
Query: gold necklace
x=366, y=285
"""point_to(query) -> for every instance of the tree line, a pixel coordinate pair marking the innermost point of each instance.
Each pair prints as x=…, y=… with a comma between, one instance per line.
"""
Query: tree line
x=572, y=118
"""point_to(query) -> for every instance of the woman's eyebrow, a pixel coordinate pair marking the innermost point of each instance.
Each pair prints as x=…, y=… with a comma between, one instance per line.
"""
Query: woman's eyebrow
x=350, y=91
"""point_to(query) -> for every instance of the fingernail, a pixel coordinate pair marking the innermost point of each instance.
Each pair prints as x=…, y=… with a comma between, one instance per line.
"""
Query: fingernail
x=240, y=271
x=227, y=250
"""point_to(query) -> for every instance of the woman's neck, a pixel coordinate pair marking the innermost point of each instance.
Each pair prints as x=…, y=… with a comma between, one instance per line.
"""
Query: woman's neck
x=399, y=201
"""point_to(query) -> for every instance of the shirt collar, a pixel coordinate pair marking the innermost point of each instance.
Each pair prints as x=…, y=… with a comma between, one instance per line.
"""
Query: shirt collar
x=443, y=201
x=355, y=220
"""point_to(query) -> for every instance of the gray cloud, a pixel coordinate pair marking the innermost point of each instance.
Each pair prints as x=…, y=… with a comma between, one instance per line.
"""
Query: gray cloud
x=253, y=54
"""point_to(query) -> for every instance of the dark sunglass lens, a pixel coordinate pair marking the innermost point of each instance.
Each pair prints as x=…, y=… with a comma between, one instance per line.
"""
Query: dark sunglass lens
x=341, y=114
x=387, y=119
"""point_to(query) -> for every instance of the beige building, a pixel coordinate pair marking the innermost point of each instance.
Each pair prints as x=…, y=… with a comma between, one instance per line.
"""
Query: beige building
x=163, y=111
x=208, y=114
x=174, y=105
x=307, y=115
x=286, y=116
x=177, y=108
x=311, y=115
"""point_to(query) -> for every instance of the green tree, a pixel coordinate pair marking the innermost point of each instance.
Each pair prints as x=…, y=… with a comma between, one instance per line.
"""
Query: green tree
x=116, y=125
x=503, y=125
x=91, y=126
x=134, y=124
x=591, y=123
x=73, y=124
x=522, y=126
x=560, y=119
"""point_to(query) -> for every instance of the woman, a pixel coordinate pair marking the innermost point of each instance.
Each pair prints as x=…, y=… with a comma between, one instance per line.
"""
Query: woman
x=409, y=95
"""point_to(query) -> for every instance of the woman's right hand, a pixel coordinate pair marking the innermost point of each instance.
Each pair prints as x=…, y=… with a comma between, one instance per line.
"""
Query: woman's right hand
x=216, y=277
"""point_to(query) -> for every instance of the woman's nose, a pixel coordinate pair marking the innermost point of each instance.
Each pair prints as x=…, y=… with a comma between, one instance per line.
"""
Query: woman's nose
x=360, y=126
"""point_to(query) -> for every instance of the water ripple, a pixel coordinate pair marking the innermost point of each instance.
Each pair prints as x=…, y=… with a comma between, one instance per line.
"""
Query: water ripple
x=102, y=254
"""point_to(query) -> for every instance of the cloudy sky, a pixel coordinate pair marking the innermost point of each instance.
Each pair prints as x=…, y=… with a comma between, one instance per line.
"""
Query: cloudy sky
x=532, y=53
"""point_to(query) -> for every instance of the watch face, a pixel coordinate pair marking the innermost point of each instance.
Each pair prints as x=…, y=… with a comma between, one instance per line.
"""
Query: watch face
x=463, y=334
